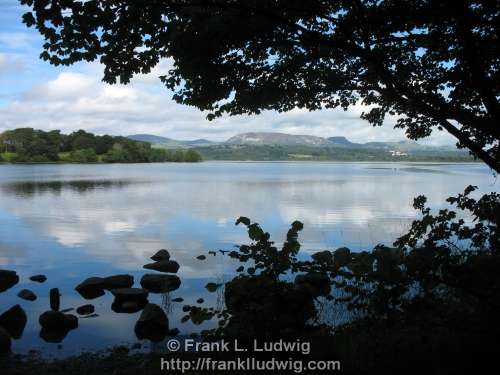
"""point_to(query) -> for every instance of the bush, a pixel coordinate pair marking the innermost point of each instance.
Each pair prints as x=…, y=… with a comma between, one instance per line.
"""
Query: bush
x=87, y=155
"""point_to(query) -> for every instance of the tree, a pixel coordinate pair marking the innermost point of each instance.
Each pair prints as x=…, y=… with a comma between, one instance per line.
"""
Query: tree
x=433, y=64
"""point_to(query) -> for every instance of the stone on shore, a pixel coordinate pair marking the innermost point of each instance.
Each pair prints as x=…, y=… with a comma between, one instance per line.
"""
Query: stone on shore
x=152, y=324
x=39, y=278
x=161, y=255
x=157, y=283
x=169, y=266
x=27, y=295
x=8, y=279
x=14, y=321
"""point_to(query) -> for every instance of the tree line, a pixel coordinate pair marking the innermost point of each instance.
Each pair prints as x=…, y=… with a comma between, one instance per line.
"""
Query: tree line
x=28, y=145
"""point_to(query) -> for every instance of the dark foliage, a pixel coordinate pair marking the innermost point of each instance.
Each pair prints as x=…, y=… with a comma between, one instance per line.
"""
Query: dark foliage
x=435, y=64
x=430, y=303
x=30, y=145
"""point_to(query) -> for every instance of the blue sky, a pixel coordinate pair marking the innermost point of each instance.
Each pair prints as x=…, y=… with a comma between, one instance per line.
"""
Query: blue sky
x=36, y=94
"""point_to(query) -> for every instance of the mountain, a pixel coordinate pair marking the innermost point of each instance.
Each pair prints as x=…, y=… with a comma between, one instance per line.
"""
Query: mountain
x=169, y=142
x=277, y=139
x=341, y=141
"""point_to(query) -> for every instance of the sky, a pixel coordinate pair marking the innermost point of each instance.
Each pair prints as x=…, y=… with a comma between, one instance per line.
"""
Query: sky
x=35, y=94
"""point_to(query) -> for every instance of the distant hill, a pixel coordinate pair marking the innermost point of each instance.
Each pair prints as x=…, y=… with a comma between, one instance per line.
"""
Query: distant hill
x=169, y=142
x=282, y=146
x=280, y=139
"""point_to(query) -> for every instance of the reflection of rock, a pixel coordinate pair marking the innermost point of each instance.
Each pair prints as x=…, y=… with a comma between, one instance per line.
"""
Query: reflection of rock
x=13, y=321
x=130, y=294
x=152, y=324
x=129, y=300
x=5, y=342
x=39, y=278
x=8, y=279
x=170, y=266
x=128, y=307
x=27, y=295
x=161, y=255
x=55, y=299
x=94, y=287
x=317, y=284
x=55, y=320
x=85, y=310
x=157, y=283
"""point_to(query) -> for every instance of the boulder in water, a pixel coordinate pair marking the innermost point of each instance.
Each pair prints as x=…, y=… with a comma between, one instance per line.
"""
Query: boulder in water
x=55, y=320
x=117, y=281
x=8, y=279
x=152, y=324
x=27, y=295
x=91, y=288
x=39, y=278
x=55, y=299
x=161, y=255
x=169, y=266
x=14, y=321
x=157, y=283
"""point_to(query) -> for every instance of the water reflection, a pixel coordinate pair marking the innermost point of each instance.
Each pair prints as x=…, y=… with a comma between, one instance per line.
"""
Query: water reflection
x=29, y=189
x=75, y=222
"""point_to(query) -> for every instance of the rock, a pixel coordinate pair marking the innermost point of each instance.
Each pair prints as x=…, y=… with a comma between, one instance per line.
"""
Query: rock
x=5, y=342
x=170, y=266
x=91, y=288
x=27, y=295
x=117, y=281
x=152, y=324
x=317, y=284
x=94, y=287
x=85, y=310
x=13, y=321
x=178, y=299
x=55, y=299
x=130, y=294
x=157, y=283
x=8, y=279
x=200, y=300
x=212, y=253
x=201, y=257
x=56, y=325
x=67, y=310
x=39, y=278
x=56, y=321
x=161, y=255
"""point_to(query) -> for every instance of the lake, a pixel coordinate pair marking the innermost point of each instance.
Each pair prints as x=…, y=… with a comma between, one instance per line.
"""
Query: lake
x=71, y=222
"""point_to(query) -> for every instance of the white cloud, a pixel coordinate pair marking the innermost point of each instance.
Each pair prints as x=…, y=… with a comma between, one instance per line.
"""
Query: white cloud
x=75, y=100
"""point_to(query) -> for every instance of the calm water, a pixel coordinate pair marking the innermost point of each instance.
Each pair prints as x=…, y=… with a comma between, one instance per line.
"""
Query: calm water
x=71, y=222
